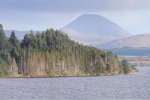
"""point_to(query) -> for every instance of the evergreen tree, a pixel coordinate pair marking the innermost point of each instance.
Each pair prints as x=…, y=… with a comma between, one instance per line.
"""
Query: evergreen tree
x=2, y=38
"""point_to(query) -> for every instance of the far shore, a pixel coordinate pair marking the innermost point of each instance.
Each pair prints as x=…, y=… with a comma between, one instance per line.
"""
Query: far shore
x=137, y=60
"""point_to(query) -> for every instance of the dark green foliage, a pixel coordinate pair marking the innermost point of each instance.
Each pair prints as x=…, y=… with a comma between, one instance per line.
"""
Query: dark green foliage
x=127, y=68
x=2, y=39
x=4, y=52
x=4, y=47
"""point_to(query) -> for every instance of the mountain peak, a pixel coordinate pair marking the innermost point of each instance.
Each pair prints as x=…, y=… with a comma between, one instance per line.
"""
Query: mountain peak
x=90, y=15
x=91, y=23
x=95, y=28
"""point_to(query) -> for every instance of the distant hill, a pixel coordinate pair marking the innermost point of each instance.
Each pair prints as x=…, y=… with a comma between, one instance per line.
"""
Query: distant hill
x=94, y=29
x=136, y=41
x=132, y=51
x=19, y=34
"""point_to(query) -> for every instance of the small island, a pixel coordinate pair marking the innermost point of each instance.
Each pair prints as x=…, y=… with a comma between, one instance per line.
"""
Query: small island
x=52, y=53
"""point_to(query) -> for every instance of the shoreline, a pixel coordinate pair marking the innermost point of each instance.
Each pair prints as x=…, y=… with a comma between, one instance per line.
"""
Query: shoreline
x=133, y=72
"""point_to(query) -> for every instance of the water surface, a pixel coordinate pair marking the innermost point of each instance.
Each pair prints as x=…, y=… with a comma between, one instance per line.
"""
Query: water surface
x=121, y=87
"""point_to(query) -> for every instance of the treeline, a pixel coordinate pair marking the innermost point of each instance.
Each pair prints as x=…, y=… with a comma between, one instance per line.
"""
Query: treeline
x=53, y=53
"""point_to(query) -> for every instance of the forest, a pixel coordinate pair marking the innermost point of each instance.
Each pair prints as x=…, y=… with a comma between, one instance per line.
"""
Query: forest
x=53, y=53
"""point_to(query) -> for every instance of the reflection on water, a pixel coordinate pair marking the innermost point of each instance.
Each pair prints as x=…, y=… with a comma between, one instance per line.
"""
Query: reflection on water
x=121, y=87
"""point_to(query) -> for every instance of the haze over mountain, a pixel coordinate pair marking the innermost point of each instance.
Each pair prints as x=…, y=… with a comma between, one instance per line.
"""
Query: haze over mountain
x=136, y=41
x=94, y=29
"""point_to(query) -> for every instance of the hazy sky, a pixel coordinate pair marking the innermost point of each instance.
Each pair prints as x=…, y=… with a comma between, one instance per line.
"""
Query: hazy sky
x=132, y=15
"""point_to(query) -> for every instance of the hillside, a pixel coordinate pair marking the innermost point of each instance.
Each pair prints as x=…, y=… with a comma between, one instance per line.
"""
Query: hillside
x=94, y=29
x=132, y=51
x=52, y=53
x=136, y=41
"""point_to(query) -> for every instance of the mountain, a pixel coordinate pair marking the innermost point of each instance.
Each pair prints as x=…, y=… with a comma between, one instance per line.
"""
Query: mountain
x=94, y=29
x=136, y=41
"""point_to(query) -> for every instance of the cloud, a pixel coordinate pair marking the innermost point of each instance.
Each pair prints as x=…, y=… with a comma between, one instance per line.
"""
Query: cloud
x=133, y=15
x=73, y=5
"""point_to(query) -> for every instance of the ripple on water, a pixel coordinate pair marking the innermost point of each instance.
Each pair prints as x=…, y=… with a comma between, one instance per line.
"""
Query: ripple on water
x=121, y=87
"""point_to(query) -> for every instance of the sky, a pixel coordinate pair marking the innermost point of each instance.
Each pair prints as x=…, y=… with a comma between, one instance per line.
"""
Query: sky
x=132, y=15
